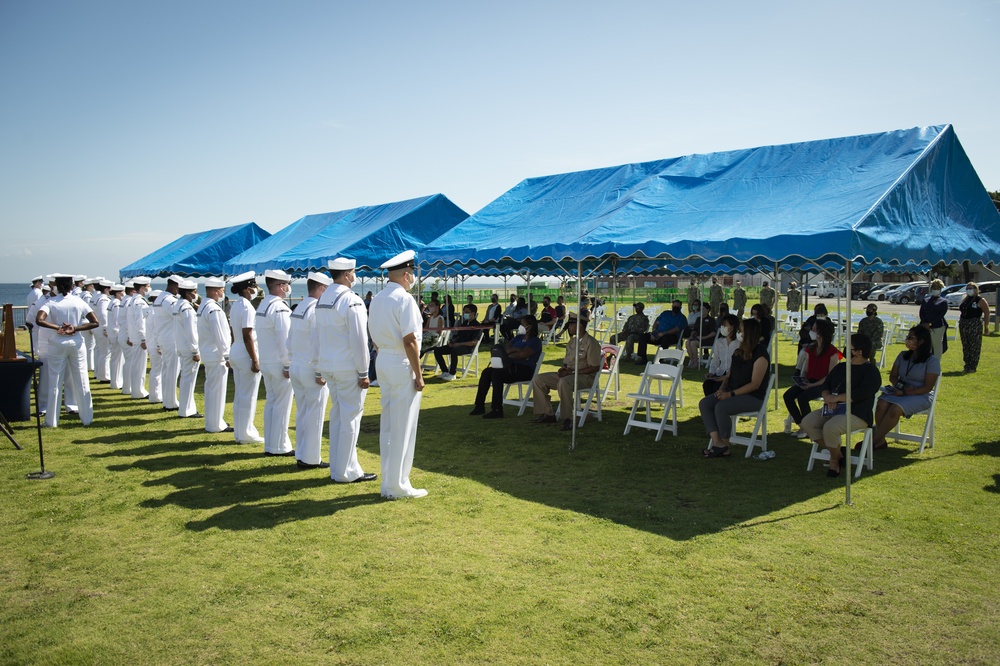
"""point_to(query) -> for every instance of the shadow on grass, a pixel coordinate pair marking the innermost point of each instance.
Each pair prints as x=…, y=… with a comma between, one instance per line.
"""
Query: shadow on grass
x=268, y=515
x=661, y=487
x=984, y=449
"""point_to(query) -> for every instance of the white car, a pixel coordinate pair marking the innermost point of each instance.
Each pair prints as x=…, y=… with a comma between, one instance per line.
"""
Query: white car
x=987, y=290
x=882, y=294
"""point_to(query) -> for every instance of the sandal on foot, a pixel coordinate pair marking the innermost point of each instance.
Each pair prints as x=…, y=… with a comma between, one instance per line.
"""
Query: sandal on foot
x=717, y=452
x=833, y=473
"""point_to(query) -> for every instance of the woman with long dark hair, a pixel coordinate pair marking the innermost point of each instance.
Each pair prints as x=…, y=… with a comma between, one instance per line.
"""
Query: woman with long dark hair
x=911, y=384
x=820, y=358
x=523, y=352
x=742, y=390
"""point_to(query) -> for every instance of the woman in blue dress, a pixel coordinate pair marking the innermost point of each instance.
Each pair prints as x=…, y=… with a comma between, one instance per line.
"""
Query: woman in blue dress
x=911, y=384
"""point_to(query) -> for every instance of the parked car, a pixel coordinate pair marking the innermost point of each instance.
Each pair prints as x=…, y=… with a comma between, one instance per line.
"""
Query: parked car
x=909, y=294
x=865, y=294
x=953, y=289
x=987, y=290
x=883, y=293
x=825, y=290
x=858, y=288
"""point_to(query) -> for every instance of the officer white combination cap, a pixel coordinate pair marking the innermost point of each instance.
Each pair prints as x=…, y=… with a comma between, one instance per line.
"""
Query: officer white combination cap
x=78, y=278
x=319, y=277
x=273, y=274
x=341, y=264
x=404, y=259
x=214, y=282
x=37, y=279
x=242, y=277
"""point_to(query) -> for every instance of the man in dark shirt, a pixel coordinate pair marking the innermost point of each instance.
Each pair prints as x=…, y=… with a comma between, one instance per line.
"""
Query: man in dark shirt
x=461, y=343
x=666, y=331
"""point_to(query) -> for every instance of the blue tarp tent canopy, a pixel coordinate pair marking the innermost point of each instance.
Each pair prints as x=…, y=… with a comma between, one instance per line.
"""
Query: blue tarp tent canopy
x=369, y=234
x=906, y=196
x=199, y=254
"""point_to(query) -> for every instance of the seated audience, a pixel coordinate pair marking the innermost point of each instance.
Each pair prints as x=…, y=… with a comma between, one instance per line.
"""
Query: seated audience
x=461, y=343
x=432, y=329
x=634, y=327
x=522, y=352
x=826, y=425
x=872, y=327
x=512, y=321
x=666, y=331
x=700, y=335
x=590, y=362
x=762, y=313
x=723, y=349
x=742, y=390
x=911, y=384
x=820, y=358
x=819, y=314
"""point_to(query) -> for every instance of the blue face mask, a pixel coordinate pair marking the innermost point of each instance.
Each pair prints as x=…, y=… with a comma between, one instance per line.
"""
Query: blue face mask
x=466, y=316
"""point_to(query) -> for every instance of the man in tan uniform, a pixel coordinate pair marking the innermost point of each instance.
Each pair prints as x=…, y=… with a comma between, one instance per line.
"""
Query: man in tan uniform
x=589, y=361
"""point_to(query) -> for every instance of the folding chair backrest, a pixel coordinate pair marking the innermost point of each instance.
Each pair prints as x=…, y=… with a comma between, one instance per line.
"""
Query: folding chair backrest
x=670, y=355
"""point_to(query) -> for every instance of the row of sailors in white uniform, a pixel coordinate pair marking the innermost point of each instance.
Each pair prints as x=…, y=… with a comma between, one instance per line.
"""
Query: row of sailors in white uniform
x=294, y=356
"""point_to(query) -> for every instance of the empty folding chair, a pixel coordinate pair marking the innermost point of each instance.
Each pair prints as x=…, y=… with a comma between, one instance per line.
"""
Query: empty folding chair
x=646, y=397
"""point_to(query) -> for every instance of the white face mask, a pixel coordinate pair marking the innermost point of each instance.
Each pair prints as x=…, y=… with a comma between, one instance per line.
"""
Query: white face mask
x=724, y=331
x=970, y=291
x=521, y=330
x=253, y=294
x=812, y=335
x=935, y=292
x=821, y=317
x=739, y=337
x=354, y=279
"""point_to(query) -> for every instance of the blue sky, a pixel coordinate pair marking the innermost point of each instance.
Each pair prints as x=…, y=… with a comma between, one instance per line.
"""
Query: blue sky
x=125, y=125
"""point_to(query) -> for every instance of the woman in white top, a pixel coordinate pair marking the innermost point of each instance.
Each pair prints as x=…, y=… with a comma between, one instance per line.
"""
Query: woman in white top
x=243, y=358
x=722, y=353
x=432, y=332
x=67, y=315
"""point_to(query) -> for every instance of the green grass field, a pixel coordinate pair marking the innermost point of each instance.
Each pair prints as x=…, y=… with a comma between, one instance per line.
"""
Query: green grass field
x=157, y=543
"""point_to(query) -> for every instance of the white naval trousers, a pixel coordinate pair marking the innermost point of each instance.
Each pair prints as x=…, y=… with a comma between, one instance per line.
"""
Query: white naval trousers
x=42, y=354
x=91, y=346
x=102, y=361
x=116, y=361
x=277, y=408
x=347, y=405
x=155, y=375
x=137, y=371
x=246, y=384
x=169, y=374
x=216, y=376
x=188, y=375
x=310, y=410
x=398, y=425
x=127, y=353
x=67, y=360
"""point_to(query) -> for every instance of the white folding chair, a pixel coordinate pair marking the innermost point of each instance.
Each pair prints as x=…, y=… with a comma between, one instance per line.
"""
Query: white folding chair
x=645, y=397
x=926, y=438
x=864, y=456
x=676, y=357
x=758, y=437
x=428, y=361
x=594, y=396
x=886, y=339
x=523, y=400
x=602, y=329
x=473, y=359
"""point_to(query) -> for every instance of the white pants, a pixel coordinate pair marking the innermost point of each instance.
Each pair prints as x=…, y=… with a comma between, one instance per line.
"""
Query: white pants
x=398, y=425
x=116, y=362
x=310, y=410
x=168, y=377
x=67, y=360
x=188, y=374
x=155, y=375
x=102, y=365
x=91, y=345
x=246, y=384
x=277, y=408
x=347, y=405
x=137, y=371
x=216, y=376
x=42, y=354
x=127, y=353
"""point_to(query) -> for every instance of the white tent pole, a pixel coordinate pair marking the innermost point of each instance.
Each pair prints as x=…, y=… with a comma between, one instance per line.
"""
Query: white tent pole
x=846, y=463
x=774, y=337
x=614, y=318
x=576, y=366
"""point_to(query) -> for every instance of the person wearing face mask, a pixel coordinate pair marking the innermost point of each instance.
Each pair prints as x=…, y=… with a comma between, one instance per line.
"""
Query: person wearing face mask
x=493, y=311
x=701, y=335
x=432, y=329
x=163, y=324
x=911, y=385
x=820, y=358
x=819, y=314
x=762, y=313
x=137, y=321
x=634, y=327
x=933, y=309
x=243, y=358
x=186, y=345
x=461, y=343
x=739, y=299
x=827, y=425
x=973, y=324
x=274, y=321
x=793, y=299
x=341, y=346
x=722, y=353
x=395, y=328
x=716, y=297
x=872, y=327
x=768, y=296
x=214, y=343
x=666, y=331
x=523, y=352
x=589, y=360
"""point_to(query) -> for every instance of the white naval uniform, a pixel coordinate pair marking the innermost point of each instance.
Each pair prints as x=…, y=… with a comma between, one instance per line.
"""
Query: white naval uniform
x=310, y=397
x=213, y=342
x=67, y=358
x=40, y=339
x=155, y=358
x=89, y=341
x=273, y=325
x=102, y=364
x=137, y=334
x=246, y=383
x=163, y=309
x=128, y=351
x=342, y=343
x=33, y=295
x=186, y=344
x=116, y=356
x=393, y=315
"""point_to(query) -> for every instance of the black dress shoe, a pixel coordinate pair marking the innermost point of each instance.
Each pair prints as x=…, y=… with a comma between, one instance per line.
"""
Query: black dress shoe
x=493, y=414
x=170, y=409
x=230, y=429
x=279, y=455
x=305, y=465
x=196, y=415
x=477, y=410
x=361, y=479
x=545, y=418
x=566, y=425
